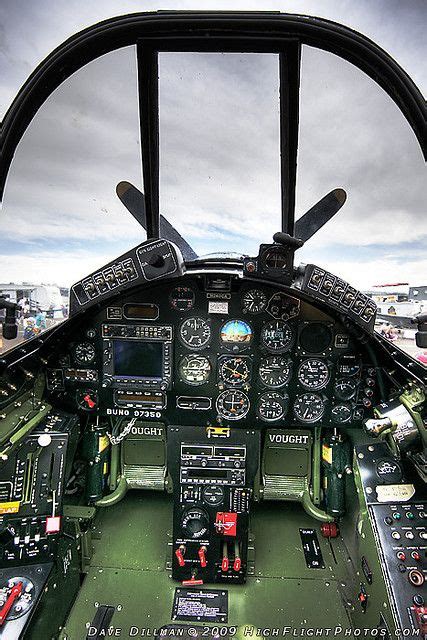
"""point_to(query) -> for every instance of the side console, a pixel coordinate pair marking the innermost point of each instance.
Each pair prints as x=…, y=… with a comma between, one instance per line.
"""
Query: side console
x=213, y=473
x=398, y=512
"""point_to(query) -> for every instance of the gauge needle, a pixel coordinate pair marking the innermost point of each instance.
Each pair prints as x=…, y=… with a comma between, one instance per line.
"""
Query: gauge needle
x=234, y=371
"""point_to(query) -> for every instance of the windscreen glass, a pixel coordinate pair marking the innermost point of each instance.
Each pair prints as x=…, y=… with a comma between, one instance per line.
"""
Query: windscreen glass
x=61, y=218
x=353, y=136
x=220, y=148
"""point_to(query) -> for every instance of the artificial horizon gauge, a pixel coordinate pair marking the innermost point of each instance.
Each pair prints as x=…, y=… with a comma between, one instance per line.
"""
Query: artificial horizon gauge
x=277, y=336
x=232, y=404
x=272, y=406
x=309, y=407
x=254, y=301
x=345, y=388
x=313, y=374
x=84, y=353
x=341, y=413
x=182, y=298
x=195, y=333
x=275, y=371
x=194, y=369
x=236, y=334
x=235, y=370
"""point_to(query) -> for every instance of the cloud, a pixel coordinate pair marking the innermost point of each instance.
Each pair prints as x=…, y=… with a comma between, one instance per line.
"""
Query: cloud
x=220, y=179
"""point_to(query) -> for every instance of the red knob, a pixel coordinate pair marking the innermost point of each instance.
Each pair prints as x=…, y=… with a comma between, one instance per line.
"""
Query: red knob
x=416, y=556
x=90, y=403
x=401, y=555
x=225, y=564
x=202, y=557
x=237, y=564
x=180, y=556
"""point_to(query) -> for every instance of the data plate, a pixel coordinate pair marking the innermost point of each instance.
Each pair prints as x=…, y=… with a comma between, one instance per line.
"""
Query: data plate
x=200, y=605
x=311, y=547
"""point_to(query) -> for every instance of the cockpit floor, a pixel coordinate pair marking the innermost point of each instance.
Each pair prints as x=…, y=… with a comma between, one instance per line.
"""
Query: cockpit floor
x=128, y=571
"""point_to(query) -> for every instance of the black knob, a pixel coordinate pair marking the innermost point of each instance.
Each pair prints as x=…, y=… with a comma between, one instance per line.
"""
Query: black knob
x=418, y=600
x=195, y=522
x=156, y=260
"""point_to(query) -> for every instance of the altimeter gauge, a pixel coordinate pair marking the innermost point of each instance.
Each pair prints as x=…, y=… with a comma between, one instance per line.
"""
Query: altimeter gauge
x=277, y=336
x=195, y=333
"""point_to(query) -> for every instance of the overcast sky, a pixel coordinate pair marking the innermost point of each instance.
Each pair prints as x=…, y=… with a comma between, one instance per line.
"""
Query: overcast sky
x=220, y=181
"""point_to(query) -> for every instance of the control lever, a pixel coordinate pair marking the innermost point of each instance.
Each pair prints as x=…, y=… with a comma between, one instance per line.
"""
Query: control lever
x=225, y=562
x=14, y=594
x=237, y=564
x=180, y=552
x=202, y=557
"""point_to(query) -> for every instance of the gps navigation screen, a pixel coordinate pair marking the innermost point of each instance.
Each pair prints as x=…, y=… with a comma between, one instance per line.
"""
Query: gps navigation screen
x=138, y=359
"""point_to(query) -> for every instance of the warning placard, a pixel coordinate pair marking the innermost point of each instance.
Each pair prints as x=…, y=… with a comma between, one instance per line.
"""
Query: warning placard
x=200, y=605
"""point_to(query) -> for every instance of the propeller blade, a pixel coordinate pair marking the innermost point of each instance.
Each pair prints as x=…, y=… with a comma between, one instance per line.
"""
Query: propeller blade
x=319, y=214
x=134, y=201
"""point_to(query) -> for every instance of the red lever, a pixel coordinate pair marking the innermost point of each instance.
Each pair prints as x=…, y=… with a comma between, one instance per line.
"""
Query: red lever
x=192, y=582
x=90, y=403
x=15, y=593
x=225, y=564
x=180, y=556
x=237, y=564
x=202, y=555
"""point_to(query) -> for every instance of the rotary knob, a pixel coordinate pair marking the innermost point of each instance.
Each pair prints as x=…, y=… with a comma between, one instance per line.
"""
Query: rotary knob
x=195, y=523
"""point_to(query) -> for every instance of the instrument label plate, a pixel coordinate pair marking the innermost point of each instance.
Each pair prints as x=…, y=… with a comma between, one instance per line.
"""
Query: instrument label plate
x=200, y=605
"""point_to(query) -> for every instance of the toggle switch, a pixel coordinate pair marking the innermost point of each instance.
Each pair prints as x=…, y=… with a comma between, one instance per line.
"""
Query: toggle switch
x=202, y=556
x=180, y=552
x=225, y=562
x=237, y=564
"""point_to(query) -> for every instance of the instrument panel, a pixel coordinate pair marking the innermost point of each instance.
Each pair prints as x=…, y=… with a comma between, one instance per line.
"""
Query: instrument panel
x=214, y=350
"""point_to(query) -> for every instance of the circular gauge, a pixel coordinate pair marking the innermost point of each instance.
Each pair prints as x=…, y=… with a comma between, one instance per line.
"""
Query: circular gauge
x=315, y=337
x=232, y=404
x=309, y=407
x=272, y=406
x=84, y=352
x=275, y=259
x=345, y=388
x=236, y=333
x=195, y=333
x=87, y=399
x=274, y=371
x=254, y=301
x=182, y=298
x=341, y=413
x=276, y=336
x=213, y=495
x=313, y=374
x=194, y=369
x=234, y=371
